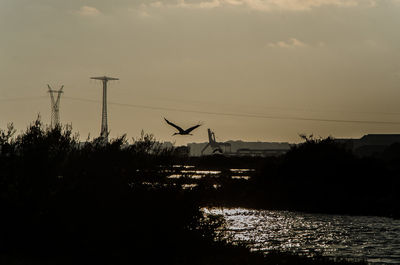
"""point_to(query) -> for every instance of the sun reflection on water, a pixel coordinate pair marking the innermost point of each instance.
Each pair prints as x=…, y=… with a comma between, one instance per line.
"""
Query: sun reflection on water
x=375, y=239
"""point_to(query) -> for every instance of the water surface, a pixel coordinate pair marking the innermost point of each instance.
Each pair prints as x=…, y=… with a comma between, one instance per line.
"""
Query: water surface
x=375, y=239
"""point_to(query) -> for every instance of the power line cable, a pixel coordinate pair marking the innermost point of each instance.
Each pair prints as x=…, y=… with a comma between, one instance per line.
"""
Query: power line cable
x=285, y=108
x=246, y=115
x=251, y=114
x=21, y=98
x=240, y=114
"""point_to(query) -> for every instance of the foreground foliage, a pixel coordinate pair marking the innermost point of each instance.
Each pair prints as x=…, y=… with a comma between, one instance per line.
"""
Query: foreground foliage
x=317, y=176
x=64, y=202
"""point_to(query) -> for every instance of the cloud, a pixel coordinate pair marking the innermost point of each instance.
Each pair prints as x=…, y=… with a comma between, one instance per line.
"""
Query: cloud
x=201, y=5
x=88, y=11
x=289, y=44
x=142, y=13
x=297, y=5
x=372, y=3
x=157, y=4
x=264, y=5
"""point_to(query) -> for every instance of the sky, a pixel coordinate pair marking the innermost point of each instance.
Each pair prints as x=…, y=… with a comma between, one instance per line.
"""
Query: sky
x=252, y=70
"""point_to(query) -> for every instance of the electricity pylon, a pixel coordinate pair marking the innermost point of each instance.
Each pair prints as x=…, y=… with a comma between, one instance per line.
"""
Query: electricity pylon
x=104, y=125
x=55, y=106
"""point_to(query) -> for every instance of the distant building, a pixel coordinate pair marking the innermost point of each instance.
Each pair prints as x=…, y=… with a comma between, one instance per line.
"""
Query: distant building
x=370, y=144
x=260, y=152
x=243, y=148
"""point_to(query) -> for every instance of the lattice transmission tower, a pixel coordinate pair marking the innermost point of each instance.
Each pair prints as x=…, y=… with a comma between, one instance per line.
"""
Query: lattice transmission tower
x=104, y=125
x=55, y=106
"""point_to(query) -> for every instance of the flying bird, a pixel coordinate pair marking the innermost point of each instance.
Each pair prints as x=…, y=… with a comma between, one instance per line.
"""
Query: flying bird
x=180, y=130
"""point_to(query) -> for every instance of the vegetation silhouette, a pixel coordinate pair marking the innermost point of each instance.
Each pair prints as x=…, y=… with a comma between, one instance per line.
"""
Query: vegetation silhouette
x=317, y=176
x=65, y=202
x=322, y=175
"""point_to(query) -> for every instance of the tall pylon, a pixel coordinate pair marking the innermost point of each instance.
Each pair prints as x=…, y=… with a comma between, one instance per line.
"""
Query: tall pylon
x=104, y=125
x=55, y=106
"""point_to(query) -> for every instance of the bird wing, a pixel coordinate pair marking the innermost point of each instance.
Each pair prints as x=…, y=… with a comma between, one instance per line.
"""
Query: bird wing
x=192, y=128
x=174, y=125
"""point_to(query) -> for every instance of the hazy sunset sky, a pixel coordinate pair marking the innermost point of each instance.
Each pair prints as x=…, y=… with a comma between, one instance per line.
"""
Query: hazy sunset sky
x=277, y=67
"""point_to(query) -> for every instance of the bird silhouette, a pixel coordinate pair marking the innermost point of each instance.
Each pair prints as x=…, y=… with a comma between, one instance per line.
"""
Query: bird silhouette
x=180, y=130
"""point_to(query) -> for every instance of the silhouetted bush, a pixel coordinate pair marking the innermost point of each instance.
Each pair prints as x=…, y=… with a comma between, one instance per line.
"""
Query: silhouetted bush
x=322, y=175
x=318, y=175
x=64, y=202
x=59, y=197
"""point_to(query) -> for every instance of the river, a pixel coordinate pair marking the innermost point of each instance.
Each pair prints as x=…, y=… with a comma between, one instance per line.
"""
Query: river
x=375, y=239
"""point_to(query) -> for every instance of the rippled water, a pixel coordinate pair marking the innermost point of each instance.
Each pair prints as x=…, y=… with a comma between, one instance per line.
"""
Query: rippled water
x=375, y=239
x=190, y=172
